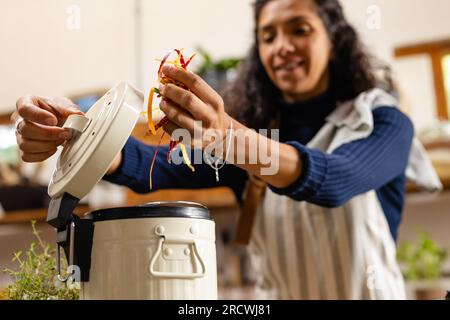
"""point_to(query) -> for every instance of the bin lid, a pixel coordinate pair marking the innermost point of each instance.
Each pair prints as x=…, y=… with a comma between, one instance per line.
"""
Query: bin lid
x=98, y=136
x=177, y=209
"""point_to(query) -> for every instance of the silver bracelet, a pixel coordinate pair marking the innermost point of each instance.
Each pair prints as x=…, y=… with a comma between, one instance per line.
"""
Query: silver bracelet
x=214, y=163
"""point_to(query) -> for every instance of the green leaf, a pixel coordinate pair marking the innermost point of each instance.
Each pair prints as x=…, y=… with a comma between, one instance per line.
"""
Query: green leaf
x=423, y=259
x=34, y=277
x=209, y=64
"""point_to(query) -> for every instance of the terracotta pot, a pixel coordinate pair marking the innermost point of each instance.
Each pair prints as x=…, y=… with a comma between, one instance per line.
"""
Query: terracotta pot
x=430, y=294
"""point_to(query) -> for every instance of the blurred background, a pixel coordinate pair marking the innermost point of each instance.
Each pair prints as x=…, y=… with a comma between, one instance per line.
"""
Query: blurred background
x=81, y=48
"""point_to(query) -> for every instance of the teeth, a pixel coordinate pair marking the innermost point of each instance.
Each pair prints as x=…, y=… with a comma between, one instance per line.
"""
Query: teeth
x=291, y=65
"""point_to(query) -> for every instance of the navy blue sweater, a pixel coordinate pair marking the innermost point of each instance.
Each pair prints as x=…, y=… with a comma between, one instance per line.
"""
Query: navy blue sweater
x=330, y=180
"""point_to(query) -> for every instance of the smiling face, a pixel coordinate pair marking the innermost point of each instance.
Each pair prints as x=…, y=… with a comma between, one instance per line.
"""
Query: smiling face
x=294, y=48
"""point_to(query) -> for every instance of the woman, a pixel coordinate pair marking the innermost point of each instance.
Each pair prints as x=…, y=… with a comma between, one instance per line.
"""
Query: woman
x=327, y=225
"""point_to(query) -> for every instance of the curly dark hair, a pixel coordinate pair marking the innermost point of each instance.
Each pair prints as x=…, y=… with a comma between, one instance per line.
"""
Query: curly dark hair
x=252, y=97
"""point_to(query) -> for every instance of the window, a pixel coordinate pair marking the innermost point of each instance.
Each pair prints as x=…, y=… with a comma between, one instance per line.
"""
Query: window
x=446, y=69
x=439, y=53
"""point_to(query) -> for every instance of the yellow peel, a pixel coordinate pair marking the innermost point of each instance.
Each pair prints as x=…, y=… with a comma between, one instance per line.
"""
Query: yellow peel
x=151, y=125
x=186, y=159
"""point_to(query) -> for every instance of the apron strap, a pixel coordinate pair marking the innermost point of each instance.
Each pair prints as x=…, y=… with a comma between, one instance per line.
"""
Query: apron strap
x=254, y=192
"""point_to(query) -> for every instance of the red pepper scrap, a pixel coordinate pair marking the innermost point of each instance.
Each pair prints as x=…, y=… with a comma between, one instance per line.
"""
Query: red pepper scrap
x=182, y=63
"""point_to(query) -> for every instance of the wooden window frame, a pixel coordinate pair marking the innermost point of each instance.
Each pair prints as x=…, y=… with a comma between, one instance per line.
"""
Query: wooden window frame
x=436, y=51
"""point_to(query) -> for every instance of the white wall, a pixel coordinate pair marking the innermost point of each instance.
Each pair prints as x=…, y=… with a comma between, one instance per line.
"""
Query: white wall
x=40, y=55
x=403, y=22
x=224, y=28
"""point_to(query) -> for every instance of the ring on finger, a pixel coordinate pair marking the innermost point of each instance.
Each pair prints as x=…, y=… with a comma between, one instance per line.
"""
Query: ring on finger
x=17, y=123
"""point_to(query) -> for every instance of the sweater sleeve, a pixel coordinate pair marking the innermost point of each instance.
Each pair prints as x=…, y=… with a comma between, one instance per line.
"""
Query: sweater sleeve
x=134, y=172
x=330, y=180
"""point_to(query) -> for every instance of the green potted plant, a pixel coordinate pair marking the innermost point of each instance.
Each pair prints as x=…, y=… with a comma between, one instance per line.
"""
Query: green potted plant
x=216, y=72
x=35, y=277
x=422, y=265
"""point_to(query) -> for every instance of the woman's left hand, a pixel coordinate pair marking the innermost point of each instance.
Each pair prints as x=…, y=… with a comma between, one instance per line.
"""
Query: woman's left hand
x=200, y=103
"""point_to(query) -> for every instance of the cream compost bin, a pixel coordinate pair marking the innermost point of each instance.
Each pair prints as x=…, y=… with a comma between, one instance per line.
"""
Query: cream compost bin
x=163, y=250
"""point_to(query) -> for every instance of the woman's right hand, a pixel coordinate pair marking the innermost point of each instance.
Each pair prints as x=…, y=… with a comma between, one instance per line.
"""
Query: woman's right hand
x=38, y=125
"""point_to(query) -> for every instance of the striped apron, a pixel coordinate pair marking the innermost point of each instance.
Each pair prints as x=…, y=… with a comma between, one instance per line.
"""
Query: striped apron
x=304, y=251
